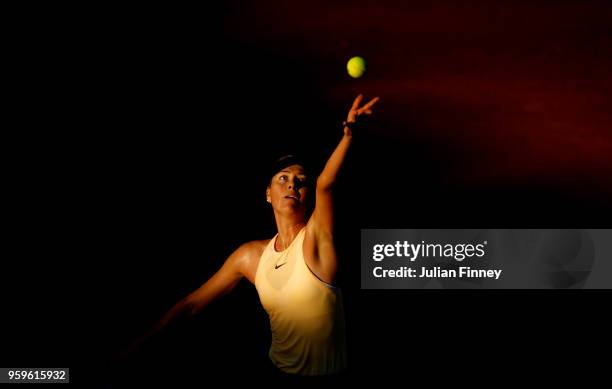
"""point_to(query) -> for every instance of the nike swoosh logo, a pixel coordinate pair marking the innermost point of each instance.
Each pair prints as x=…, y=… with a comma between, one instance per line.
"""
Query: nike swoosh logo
x=277, y=266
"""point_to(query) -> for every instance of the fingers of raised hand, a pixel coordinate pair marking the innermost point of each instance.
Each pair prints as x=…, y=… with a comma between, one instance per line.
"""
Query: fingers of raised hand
x=370, y=103
x=357, y=102
x=363, y=110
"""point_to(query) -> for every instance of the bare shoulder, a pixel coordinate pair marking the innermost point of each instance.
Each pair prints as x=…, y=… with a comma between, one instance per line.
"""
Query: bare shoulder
x=254, y=248
x=248, y=254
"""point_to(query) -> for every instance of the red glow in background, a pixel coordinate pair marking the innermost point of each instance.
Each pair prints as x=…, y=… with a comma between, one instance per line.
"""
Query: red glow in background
x=513, y=93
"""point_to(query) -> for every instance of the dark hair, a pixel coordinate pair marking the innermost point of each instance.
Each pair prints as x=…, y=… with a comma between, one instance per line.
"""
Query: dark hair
x=289, y=160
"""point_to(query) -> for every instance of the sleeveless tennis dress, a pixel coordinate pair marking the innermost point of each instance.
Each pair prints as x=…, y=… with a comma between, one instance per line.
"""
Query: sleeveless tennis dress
x=306, y=314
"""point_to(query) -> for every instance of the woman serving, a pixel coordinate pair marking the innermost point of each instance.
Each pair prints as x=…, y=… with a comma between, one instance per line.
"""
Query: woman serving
x=294, y=272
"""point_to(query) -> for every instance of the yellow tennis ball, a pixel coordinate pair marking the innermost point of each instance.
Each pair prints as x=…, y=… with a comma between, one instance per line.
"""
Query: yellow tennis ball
x=356, y=66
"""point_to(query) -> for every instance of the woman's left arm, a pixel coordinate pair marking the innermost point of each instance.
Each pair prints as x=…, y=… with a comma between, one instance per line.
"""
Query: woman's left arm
x=322, y=216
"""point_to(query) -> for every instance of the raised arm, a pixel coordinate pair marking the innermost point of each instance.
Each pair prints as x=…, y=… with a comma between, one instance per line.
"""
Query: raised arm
x=321, y=224
x=323, y=212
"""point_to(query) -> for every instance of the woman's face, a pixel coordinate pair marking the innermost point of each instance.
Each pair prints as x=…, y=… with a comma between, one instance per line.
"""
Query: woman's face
x=288, y=190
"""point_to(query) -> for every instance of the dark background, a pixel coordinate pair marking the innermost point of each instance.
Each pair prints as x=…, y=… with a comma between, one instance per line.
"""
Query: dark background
x=146, y=132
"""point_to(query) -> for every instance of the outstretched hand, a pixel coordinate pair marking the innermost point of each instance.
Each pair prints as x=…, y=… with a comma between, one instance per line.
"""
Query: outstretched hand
x=356, y=111
x=123, y=356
